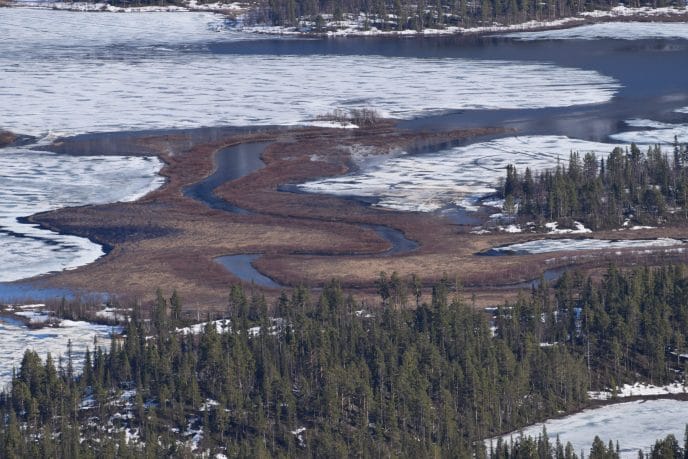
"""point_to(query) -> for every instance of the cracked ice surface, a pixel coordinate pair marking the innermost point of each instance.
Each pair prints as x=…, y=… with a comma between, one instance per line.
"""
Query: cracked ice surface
x=428, y=182
x=82, y=72
x=33, y=181
x=611, y=30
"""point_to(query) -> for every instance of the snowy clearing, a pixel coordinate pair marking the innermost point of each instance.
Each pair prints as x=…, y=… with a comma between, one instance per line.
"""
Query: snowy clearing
x=651, y=420
x=17, y=338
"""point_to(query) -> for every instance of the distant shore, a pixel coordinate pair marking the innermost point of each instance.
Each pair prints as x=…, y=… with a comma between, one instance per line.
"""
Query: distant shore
x=354, y=27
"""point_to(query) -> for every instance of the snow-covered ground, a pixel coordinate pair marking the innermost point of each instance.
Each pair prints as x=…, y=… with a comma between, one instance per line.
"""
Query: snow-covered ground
x=16, y=338
x=432, y=181
x=168, y=79
x=34, y=181
x=611, y=30
x=636, y=425
x=569, y=245
x=579, y=228
x=639, y=390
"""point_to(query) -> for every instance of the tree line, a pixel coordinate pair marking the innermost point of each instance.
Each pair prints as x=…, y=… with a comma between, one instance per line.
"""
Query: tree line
x=418, y=15
x=321, y=375
x=648, y=187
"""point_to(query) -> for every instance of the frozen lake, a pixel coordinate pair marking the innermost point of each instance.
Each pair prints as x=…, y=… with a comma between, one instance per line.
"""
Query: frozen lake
x=69, y=72
x=636, y=425
x=35, y=181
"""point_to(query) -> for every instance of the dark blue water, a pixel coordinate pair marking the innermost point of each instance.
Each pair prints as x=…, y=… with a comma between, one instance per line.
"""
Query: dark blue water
x=653, y=74
x=13, y=292
x=242, y=267
x=231, y=163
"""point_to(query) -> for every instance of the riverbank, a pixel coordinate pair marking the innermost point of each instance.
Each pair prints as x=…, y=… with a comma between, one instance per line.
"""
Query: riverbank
x=179, y=238
x=171, y=240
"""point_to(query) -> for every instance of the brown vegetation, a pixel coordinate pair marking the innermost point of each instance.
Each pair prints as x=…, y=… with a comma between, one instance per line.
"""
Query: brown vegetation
x=169, y=241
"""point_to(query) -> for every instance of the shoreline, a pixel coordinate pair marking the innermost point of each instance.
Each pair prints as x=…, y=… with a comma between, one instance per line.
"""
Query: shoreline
x=234, y=12
x=304, y=237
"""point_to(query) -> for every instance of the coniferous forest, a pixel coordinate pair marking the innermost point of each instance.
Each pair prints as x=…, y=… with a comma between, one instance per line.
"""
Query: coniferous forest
x=648, y=188
x=391, y=15
x=398, y=15
x=320, y=375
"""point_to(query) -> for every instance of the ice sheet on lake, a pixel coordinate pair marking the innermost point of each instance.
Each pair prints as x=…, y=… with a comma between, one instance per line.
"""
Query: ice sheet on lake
x=68, y=76
x=651, y=420
x=611, y=30
x=33, y=181
x=659, y=133
x=568, y=245
x=39, y=33
x=17, y=338
x=429, y=182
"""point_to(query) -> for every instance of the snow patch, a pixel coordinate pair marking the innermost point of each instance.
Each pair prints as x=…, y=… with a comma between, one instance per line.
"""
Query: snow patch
x=569, y=245
x=651, y=420
x=638, y=390
x=578, y=228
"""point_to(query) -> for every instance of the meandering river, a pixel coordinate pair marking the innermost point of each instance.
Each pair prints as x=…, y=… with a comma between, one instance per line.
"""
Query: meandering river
x=65, y=73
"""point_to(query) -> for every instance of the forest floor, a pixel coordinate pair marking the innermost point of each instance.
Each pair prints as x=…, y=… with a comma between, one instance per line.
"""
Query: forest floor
x=169, y=241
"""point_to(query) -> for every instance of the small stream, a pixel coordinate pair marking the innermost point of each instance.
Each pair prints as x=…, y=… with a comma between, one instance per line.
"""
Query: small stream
x=238, y=161
x=26, y=292
x=231, y=163
x=242, y=267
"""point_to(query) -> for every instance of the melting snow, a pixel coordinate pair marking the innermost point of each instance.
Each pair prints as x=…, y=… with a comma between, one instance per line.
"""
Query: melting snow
x=651, y=420
x=16, y=338
x=612, y=30
x=455, y=176
x=567, y=245
x=157, y=80
x=34, y=181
